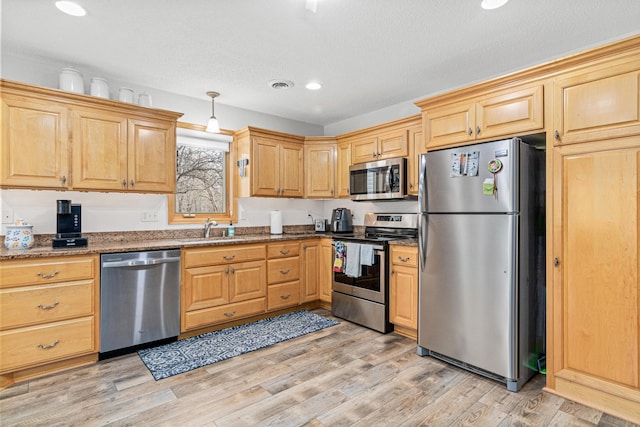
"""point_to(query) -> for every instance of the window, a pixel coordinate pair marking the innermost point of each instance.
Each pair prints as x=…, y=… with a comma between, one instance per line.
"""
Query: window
x=203, y=177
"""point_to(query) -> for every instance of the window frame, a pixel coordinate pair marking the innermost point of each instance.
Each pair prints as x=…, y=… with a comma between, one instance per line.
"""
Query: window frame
x=232, y=201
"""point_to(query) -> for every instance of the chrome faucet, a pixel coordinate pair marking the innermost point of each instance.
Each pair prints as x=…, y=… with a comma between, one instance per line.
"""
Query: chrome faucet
x=207, y=227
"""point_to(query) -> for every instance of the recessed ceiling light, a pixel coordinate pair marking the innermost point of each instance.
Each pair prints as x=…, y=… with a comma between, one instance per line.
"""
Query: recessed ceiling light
x=313, y=86
x=493, y=4
x=71, y=8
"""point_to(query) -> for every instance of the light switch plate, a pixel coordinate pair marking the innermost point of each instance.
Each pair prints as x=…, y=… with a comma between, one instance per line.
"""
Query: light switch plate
x=7, y=216
x=149, y=216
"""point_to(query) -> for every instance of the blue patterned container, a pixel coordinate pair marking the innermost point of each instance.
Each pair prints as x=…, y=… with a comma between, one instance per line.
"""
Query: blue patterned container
x=19, y=237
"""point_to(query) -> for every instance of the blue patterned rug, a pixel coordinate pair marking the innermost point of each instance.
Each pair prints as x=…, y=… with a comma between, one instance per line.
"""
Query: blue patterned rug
x=192, y=353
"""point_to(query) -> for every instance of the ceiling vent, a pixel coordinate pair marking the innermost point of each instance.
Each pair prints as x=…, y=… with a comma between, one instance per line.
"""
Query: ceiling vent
x=281, y=84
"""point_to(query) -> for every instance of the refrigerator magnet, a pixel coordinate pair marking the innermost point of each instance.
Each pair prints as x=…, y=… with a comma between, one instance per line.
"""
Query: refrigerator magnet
x=487, y=187
x=494, y=166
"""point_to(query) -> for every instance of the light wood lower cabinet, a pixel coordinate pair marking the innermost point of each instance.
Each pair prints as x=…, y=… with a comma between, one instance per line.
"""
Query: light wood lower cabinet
x=49, y=314
x=283, y=275
x=403, y=289
x=310, y=262
x=326, y=271
x=593, y=299
x=222, y=283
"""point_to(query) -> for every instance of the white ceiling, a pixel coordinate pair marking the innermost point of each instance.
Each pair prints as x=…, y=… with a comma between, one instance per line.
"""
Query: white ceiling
x=369, y=54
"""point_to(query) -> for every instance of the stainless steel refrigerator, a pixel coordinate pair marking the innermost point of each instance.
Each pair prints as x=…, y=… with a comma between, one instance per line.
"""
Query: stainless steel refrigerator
x=481, y=234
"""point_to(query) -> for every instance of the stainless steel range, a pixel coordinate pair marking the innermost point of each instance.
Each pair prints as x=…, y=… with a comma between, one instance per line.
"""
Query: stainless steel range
x=360, y=273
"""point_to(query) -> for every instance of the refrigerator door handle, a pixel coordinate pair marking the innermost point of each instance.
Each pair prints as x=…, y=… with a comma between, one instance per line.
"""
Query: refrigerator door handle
x=423, y=228
x=422, y=184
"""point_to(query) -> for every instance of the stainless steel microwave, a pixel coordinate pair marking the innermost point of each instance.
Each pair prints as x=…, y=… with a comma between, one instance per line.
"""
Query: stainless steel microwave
x=379, y=180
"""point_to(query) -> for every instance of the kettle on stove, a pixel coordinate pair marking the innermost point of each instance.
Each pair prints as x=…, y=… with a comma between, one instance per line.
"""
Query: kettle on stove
x=341, y=221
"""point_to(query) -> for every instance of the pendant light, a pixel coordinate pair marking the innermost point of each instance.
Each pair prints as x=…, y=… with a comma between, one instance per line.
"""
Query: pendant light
x=213, y=125
x=493, y=4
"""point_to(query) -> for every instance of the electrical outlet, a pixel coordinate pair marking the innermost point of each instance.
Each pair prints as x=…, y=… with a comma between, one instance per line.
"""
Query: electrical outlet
x=7, y=216
x=243, y=215
x=149, y=216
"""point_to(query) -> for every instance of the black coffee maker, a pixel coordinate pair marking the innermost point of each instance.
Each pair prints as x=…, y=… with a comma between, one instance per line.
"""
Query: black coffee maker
x=68, y=225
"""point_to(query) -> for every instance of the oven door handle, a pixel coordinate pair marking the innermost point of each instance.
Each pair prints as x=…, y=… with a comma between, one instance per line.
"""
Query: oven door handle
x=379, y=249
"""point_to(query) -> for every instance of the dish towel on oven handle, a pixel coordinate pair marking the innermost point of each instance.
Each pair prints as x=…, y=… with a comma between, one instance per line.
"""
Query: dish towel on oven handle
x=367, y=256
x=338, y=260
x=353, y=268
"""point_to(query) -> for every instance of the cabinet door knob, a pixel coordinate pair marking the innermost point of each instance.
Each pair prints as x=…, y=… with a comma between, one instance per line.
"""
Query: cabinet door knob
x=132, y=183
x=124, y=182
x=64, y=179
x=233, y=270
x=556, y=135
x=226, y=270
x=373, y=154
x=470, y=131
x=477, y=130
x=556, y=262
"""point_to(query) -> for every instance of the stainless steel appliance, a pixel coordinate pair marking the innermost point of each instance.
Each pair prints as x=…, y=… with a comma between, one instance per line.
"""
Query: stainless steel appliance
x=139, y=298
x=363, y=297
x=68, y=225
x=481, y=243
x=341, y=221
x=379, y=180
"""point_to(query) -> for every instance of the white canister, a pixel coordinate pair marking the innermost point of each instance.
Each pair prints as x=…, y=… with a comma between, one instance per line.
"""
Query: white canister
x=125, y=94
x=276, y=222
x=144, y=99
x=71, y=80
x=19, y=237
x=99, y=87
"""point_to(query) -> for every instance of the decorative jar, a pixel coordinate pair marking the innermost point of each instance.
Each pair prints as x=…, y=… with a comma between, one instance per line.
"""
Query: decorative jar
x=71, y=80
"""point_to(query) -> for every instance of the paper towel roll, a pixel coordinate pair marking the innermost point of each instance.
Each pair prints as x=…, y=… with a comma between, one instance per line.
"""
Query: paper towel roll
x=276, y=222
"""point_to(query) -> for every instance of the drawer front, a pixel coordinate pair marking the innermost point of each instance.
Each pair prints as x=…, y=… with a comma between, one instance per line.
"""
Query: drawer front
x=404, y=256
x=283, y=270
x=47, y=270
x=283, y=295
x=282, y=250
x=200, y=257
x=211, y=316
x=46, y=343
x=41, y=304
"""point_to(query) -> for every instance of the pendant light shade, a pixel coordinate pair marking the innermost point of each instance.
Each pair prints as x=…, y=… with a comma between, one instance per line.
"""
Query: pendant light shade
x=213, y=126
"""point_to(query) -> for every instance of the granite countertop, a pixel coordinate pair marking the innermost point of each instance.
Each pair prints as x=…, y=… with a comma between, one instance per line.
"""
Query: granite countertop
x=100, y=243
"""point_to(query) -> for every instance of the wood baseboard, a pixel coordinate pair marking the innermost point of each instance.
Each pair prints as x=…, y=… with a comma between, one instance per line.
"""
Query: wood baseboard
x=11, y=378
x=406, y=332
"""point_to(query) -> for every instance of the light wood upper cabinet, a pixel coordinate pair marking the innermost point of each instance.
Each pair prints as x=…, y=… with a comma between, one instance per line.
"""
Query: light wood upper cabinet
x=380, y=146
x=35, y=143
x=152, y=155
x=116, y=146
x=342, y=169
x=602, y=102
x=275, y=166
x=508, y=112
x=320, y=167
x=99, y=150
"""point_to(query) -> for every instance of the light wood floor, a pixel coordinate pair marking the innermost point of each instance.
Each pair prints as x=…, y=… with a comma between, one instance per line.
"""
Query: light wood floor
x=345, y=375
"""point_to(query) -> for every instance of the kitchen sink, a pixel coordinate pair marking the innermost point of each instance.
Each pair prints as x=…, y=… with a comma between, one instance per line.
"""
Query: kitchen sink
x=208, y=240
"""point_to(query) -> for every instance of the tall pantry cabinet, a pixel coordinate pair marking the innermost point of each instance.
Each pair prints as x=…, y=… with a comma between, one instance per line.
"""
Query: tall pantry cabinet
x=593, y=295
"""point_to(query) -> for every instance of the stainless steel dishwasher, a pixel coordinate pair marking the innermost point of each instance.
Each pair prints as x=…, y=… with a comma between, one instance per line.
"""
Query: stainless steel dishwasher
x=139, y=298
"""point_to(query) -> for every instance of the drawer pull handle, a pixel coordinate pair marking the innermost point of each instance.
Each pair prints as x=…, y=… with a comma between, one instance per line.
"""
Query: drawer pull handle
x=48, y=307
x=285, y=297
x=285, y=271
x=403, y=259
x=47, y=347
x=229, y=258
x=284, y=252
x=233, y=313
x=48, y=276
